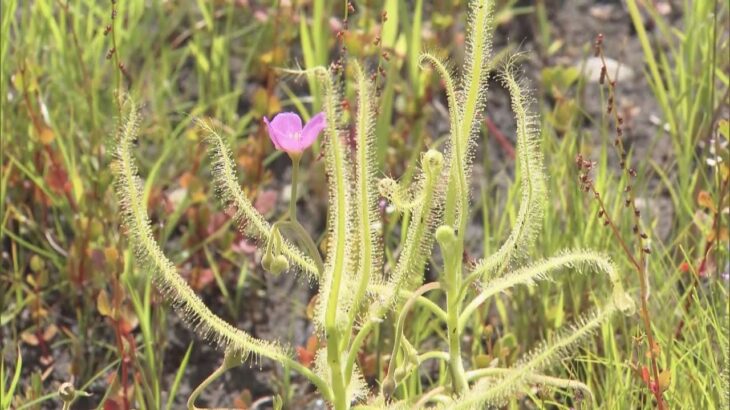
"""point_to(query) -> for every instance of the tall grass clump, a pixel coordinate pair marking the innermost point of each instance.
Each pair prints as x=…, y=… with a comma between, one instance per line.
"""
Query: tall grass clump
x=358, y=285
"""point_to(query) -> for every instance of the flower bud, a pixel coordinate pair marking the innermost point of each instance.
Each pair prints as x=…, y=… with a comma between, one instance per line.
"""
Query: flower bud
x=433, y=162
x=445, y=236
x=67, y=392
x=388, y=387
x=37, y=263
x=279, y=265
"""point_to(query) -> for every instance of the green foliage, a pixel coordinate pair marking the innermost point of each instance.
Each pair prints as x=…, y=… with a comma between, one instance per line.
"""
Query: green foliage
x=8, y=383
x=351, y=277
x=66, y=273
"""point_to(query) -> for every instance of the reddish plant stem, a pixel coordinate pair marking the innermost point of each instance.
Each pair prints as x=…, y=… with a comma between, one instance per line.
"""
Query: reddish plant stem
x=640, y=264
x=640, y=267
x=114, y=53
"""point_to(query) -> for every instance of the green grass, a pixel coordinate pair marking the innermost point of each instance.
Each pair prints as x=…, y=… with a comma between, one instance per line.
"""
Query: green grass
x=62, y=244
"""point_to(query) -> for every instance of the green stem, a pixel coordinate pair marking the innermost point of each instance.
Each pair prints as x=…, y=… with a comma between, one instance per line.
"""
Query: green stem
x=295, y=158
x=453, y=267
x=454, y=335
x=451, y=248
x=434, y=354
x=293, y=223
x=400, y=324
x=333, y=359
x=307, y=241
x=405, y=294
x=355, y=347
x=225, y=366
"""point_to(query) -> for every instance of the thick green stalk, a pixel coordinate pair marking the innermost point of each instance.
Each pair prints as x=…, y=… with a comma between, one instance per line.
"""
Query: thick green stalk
x=339, y=389
x=449, y=243
x=355, y=348
x=339, y=205
x=453, y=295
x=453, y=303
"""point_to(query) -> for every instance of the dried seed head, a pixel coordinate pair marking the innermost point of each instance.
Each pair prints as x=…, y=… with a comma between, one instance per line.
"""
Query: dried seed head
x=597, y=45
x=579, y=161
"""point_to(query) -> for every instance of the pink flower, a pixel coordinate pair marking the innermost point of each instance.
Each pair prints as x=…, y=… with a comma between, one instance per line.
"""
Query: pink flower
x=287, y=134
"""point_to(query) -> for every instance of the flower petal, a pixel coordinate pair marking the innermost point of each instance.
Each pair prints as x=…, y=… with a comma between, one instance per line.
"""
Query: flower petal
x=310, y=132
x=273, y=134
x=287, y=124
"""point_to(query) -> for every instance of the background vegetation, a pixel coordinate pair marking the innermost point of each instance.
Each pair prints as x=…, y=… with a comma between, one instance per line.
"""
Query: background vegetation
x=74, y=308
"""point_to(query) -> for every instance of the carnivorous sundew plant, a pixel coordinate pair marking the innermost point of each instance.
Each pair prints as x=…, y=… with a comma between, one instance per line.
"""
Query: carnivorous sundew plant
x=359, y=286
